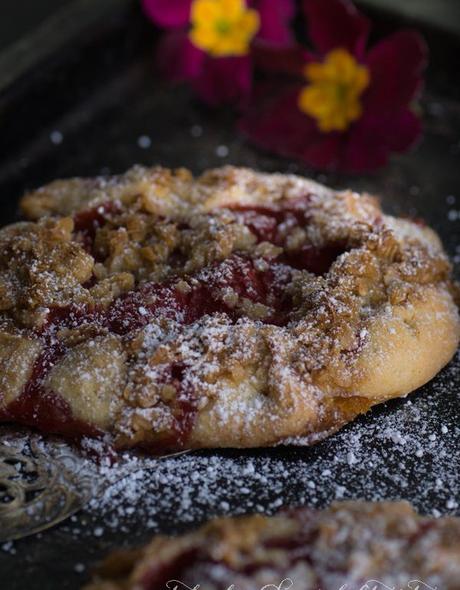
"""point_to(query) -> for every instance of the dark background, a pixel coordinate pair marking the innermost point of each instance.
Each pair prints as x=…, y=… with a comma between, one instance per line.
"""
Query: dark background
x=20, y=17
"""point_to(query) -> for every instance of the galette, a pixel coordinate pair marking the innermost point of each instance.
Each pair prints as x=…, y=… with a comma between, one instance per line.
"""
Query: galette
x=237, y=309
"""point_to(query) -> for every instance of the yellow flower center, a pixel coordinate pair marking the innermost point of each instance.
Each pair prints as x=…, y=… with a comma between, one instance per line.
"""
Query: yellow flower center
x=223, y=28
x=336, y=84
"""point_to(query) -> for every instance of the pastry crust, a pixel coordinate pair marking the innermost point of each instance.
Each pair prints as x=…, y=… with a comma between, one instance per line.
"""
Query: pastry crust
x=234, y=309
x=349, y=544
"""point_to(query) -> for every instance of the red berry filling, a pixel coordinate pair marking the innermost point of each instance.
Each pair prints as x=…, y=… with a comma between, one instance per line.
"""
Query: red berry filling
x=209, y=291
x=42, y=408
x=88, y=221
x=160, y=574
x=275, y=224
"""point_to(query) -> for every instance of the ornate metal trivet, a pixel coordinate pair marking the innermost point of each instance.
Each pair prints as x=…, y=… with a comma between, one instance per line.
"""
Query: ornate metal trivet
x=42, y=485
x=38, y=489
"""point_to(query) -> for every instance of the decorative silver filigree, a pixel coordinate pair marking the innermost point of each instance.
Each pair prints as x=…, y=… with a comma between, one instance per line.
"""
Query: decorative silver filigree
x=43, y=484
x=39, y=489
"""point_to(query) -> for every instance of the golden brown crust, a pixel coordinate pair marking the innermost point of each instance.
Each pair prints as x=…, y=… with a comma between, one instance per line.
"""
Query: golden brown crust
x=235, y=309
x=345, y=545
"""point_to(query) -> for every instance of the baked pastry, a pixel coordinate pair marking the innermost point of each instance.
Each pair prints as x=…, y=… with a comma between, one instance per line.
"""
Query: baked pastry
x=352, y=545
x=235, y=309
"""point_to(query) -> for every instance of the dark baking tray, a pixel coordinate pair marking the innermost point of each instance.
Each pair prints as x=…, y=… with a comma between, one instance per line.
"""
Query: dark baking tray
x=97, y=87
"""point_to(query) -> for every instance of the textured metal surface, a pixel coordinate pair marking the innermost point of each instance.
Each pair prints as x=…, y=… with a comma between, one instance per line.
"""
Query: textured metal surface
x=101, y=94
x=43, y=485
x=37, y=490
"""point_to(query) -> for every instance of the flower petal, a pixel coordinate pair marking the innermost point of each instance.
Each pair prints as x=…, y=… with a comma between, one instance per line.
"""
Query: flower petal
x=276, y=124
x=396, y=65
x=336, y=23
x=225, y=80
x=177, y=58
x=279, y=126
x=170, y=14
x=401, y=130
x=363, y=151
x=275, y=17
x=374, y=137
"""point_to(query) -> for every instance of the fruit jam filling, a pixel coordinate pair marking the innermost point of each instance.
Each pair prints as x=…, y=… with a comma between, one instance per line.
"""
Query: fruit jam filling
x=278, y=224
x=88, y=221
x=43, y=409
x=238, y=286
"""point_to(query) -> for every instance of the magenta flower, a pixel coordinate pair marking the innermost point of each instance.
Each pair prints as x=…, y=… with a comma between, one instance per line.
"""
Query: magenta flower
x=339, y=107
x=209, y=42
